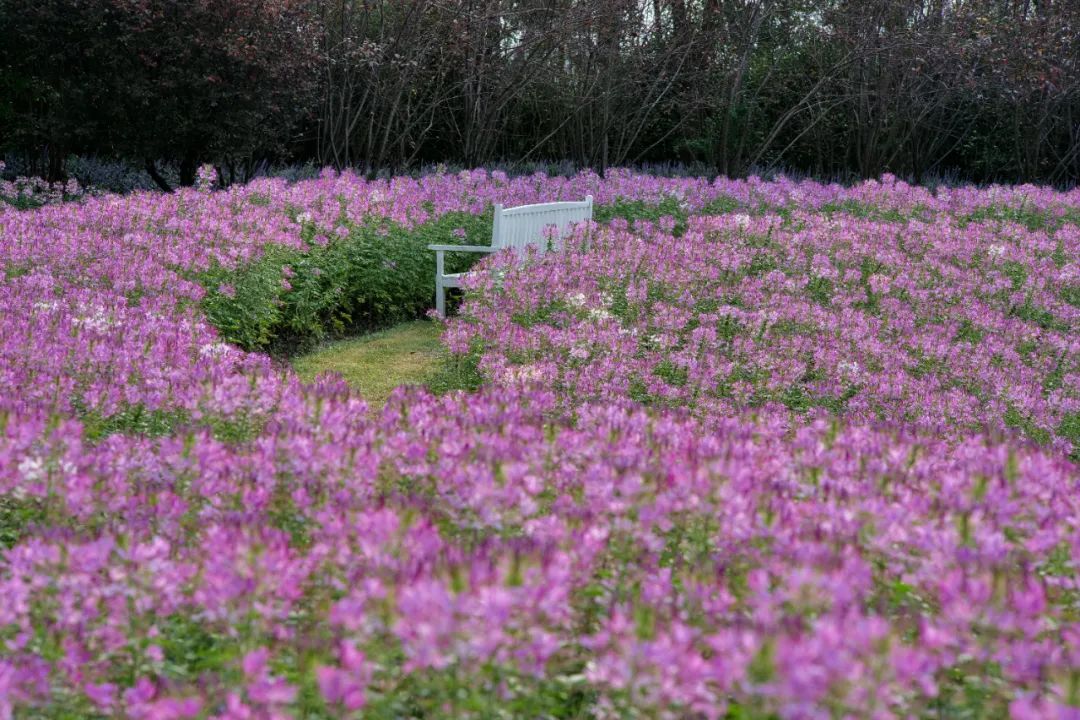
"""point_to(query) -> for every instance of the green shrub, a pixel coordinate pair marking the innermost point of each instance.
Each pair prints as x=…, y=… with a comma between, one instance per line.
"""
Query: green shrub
x=633, y=210
x=1070, y=430
x=380, y=274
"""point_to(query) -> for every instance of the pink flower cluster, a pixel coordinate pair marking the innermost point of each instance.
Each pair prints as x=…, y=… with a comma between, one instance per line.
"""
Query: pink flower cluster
x=918, y=324
x=35, y=192
x=661, y=503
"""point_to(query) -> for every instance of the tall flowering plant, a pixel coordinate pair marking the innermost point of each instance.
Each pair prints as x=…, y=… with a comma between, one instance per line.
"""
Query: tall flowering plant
x=801, y=451
x=206, y=178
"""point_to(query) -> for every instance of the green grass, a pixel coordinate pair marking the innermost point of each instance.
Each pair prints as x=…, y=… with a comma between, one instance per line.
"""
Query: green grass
x=375, y=364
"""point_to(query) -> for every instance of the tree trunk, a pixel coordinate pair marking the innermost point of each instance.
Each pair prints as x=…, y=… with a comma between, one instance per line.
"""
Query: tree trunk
x=152, y=171
x=188, y=167
x=56, y=164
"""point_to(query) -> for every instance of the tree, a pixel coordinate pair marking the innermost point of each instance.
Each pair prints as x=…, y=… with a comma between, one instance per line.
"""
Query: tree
x=185, y=81
x=988, y=90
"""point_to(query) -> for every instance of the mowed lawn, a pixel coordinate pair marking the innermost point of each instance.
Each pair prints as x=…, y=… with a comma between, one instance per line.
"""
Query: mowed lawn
x=375, y=364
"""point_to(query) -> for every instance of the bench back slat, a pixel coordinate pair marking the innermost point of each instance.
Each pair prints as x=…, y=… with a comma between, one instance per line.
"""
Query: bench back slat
x=526, y=225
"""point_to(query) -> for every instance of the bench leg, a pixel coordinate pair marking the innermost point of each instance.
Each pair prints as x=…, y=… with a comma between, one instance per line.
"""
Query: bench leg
x=440, y=298
x=440, y=290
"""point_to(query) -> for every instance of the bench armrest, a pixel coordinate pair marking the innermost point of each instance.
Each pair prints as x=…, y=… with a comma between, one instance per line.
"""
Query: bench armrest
x=463, y=248
x=440, y=250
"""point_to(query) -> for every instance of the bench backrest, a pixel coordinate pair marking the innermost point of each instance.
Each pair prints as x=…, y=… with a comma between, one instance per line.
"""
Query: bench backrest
x=527, y=225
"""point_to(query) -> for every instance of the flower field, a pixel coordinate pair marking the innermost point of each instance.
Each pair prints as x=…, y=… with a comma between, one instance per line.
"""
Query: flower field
x=743, y=449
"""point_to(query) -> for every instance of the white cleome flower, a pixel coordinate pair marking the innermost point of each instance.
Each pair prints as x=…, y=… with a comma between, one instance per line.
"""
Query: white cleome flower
x=598, y=314
x=214, y=349
x=93, y=317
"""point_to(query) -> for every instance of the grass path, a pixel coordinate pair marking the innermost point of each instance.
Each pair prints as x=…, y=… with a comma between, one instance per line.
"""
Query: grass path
x=375, y=364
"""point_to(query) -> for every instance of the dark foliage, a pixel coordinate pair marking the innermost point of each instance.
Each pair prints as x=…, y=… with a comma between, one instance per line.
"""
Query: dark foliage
x=983, y=90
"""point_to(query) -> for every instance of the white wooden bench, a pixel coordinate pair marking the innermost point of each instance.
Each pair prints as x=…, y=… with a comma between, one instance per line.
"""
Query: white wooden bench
x=517, y=228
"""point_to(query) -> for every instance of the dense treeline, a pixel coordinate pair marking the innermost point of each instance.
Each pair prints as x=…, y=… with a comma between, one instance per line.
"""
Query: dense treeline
x=985, y=90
